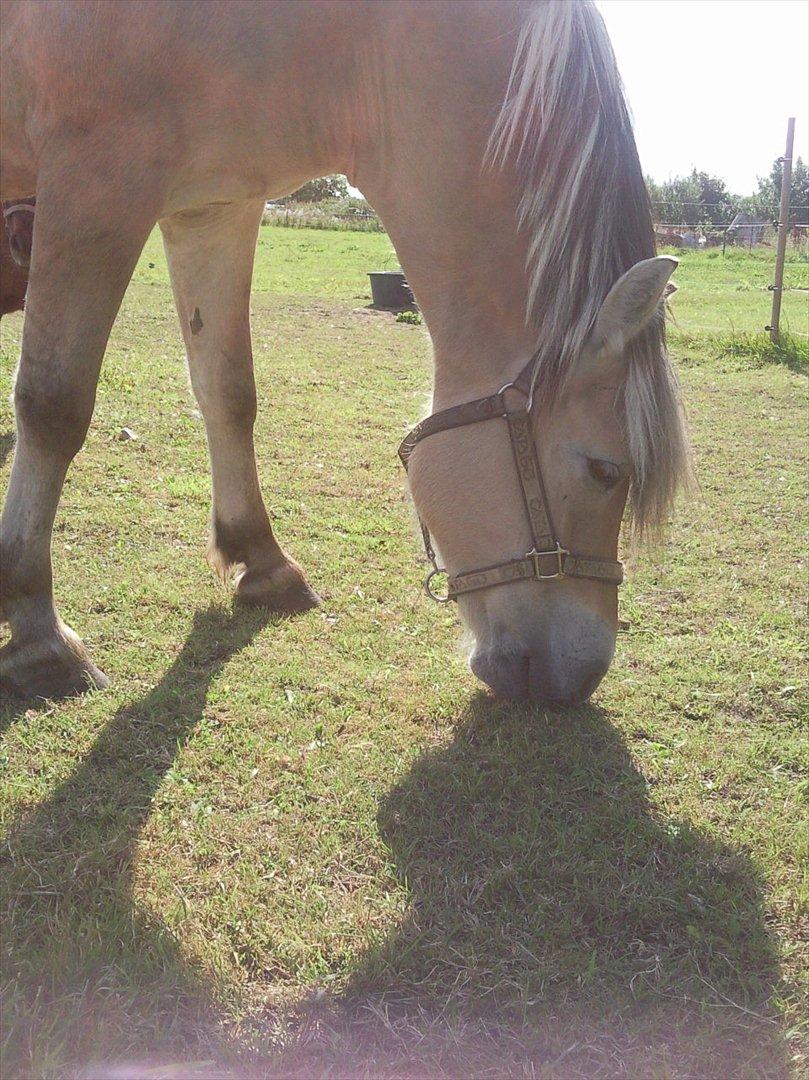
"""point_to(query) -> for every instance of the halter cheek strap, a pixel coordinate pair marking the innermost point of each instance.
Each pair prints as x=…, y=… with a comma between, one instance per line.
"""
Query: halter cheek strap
x=547, y=560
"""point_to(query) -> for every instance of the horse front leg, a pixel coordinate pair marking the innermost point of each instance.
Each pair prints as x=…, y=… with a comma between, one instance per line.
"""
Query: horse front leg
x=210, y=255
x=85, y=249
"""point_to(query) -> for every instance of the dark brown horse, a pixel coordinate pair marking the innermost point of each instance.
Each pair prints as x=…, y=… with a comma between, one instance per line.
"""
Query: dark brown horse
x=15, y=253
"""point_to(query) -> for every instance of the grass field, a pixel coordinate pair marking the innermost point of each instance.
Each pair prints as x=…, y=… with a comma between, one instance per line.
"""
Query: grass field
x=313, y=846
x=726, y=296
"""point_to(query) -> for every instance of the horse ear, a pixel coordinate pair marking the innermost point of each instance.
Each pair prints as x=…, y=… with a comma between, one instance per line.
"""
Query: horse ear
x=630, y=304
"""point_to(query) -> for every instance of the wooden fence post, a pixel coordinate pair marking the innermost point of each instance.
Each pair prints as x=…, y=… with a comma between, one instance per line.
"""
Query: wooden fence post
x=783, y=229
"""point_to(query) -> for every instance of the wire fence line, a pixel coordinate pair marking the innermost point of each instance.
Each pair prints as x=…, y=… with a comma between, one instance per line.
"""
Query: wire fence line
x=745, y=233
x=699, y=202
x=748, y=242
x=716, y=330
x=688, y=214
x=742, y=270
x=729, y=224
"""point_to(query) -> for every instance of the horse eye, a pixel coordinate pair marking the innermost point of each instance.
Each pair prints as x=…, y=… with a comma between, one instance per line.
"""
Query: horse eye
x=605, y=472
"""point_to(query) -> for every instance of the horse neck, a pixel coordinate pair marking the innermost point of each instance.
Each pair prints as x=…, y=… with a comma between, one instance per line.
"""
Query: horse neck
x=437, y=86
x=466, y=266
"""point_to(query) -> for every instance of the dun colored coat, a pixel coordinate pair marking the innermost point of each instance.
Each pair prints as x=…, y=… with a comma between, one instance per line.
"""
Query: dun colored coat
x=492, y=138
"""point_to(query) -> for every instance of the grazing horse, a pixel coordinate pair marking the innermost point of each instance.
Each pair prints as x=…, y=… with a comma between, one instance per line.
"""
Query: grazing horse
x=494, y=141
x=15, y=253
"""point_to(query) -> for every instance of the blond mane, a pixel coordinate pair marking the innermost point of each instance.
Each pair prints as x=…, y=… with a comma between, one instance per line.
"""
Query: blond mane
x=585, y=208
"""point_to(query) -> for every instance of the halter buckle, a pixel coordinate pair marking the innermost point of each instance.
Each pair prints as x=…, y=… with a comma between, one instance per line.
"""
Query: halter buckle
x=560, y=554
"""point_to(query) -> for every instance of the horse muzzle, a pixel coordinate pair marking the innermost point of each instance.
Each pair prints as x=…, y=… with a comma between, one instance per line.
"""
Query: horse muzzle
x=558, y=672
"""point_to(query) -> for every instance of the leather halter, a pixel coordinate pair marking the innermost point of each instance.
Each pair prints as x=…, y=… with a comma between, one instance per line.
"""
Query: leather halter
x=18, y=208
x=547, y=560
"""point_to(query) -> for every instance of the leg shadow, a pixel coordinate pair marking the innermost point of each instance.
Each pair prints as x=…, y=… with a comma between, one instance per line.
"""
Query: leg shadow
x=13, y=707
x=6, y=445
x=557, y=926
x=85, y=971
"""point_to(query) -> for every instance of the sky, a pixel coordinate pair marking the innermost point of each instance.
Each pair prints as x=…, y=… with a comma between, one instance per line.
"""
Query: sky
x=711, y=83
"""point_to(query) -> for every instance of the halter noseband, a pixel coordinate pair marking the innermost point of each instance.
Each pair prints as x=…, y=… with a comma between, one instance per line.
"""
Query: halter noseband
x=547, y=560
x=17, y=208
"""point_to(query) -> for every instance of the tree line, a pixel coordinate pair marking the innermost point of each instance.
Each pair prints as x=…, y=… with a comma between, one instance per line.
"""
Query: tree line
x=700, y=199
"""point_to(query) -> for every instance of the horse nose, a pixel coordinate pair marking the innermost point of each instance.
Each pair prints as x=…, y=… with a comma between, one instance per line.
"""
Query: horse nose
x=533, y=677
x=506, y=673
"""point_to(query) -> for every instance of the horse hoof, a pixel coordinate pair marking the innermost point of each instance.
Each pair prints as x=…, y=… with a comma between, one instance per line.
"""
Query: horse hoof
x=282, y=589
x=54, y=669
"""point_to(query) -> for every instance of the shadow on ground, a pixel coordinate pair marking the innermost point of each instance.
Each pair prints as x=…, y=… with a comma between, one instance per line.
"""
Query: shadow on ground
x=557, y=926
x=71, y=929
x=7, y=440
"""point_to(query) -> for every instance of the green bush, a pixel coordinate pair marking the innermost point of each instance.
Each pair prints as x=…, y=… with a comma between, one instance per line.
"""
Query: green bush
x=342, y=215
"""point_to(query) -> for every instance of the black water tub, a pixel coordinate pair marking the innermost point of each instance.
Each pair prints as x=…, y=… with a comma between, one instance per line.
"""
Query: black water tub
x=389, y=289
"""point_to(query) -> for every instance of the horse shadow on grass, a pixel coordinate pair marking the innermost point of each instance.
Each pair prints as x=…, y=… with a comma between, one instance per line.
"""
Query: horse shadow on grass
x=557, y=926
x=87, y=974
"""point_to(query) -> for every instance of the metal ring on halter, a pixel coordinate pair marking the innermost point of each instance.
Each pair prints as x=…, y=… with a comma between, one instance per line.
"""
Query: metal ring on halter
x=511, y=386
x=431, y=592
x=527, y=394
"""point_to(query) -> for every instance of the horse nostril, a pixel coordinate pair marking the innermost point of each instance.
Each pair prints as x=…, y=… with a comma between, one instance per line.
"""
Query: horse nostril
x=506, y=674
x=522, y=677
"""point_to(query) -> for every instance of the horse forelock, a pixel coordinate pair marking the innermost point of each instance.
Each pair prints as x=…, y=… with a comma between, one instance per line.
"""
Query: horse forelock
x=586, y=213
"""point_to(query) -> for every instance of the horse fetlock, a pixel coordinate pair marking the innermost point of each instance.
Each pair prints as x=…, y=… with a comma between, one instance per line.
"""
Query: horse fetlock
x=53, y=666
x=246, y=542
x=280, y=586
x=263, y=574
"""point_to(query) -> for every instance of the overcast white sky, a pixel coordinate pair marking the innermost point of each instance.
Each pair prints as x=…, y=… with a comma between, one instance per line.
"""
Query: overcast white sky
x=712, y=82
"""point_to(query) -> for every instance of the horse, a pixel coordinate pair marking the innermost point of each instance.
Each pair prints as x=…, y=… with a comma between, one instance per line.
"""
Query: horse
x=495, y=143
x=18, y=218
x=15, y=254
x=13, y=280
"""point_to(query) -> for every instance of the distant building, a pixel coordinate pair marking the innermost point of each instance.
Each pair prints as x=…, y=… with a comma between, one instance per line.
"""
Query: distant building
x=744, y=229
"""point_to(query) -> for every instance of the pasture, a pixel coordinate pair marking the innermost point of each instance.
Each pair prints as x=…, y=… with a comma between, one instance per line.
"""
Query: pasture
x=315, y=846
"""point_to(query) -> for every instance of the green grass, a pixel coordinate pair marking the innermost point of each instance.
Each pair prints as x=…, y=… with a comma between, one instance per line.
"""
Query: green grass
x=300, y=262
x=312, y=846
x=727, y=295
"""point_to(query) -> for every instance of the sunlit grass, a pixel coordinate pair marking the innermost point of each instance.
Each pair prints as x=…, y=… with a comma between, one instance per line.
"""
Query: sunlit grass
x=728, y=295
x=312, y=846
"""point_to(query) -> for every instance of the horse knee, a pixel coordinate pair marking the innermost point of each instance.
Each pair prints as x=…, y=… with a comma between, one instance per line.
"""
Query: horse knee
x=52, y=415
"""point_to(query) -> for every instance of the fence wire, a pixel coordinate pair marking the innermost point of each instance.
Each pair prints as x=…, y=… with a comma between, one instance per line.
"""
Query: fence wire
x=723, y=280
